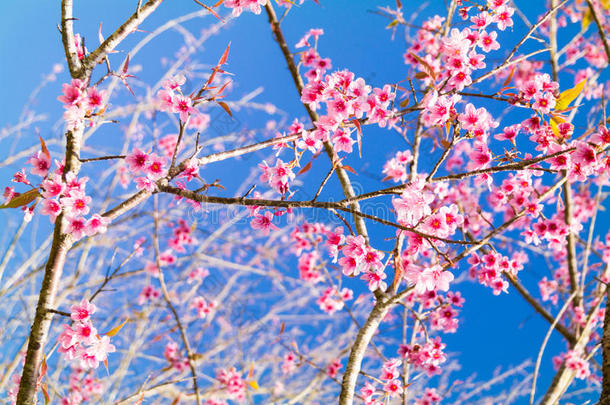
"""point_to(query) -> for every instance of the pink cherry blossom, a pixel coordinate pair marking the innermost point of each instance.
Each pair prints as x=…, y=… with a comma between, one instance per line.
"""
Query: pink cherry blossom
x=81, y=312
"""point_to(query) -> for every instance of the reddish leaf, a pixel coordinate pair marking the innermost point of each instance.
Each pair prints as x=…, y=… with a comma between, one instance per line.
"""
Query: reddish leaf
x=45, y=392
x=282, y=327
x=225, y=55
x=21, y=199
x=225, y=107
x=305, y=168
x=176, y=400
x=425, y=64
x=209, y=10
x=397, y=274
x=510, y=77
x=43, y=147
x=128, y=88
x=126, y=65
x=222, y=88
x=349, y=169
x=218, y=3
x=43, y=368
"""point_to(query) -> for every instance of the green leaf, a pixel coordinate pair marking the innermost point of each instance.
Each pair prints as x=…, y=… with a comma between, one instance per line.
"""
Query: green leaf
x=22, y=199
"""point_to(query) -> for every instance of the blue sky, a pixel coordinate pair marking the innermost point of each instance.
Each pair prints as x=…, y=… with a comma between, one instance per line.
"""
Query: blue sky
x=495, y=331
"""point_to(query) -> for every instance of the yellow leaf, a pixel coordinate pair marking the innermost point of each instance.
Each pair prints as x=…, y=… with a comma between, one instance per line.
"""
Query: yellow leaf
x=392, y=24
x=567, y=96
x=253, y=384
x=555, y=121
x=116, y=329
x=586, y=19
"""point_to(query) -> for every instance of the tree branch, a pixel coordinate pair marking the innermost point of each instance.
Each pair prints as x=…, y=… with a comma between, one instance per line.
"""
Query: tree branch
x=119, y=35
x=346, y=184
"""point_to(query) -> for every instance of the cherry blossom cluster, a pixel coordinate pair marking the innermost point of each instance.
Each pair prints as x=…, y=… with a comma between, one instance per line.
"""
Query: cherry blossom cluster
x=345, y=98
x=148, y=293
x=428, y=356
x=170, y=99
x=392, y=386
x=278, y=177
x=214, y=401
x=238, y=6
x=307, y=236
x=540, y=91
x=81, y=103
x=309, y=266
x=396, y=168
x=490, y=267
x=182, y=236
x=433, y=278
x=358, y=257
x=289, y=364
x=583, y=160
x=233, y=384
x=202, y=306
x=453, y=58
x=430, y=397
x=415, y=207
x=174, y=356
x=333, y=368
x=422, y=207
x=444, y=316
x=83, y=387
x=150, y=165
x=390, y=374
x=262, y=220
x=574, y=361
x=516, y=193
x=80, y=341
x=333, y=300
x=61, y=196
